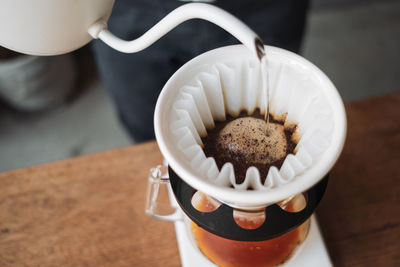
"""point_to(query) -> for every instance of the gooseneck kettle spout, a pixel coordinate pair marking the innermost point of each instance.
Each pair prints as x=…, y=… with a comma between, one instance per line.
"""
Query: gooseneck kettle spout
x=48, y=27
x=181, y=14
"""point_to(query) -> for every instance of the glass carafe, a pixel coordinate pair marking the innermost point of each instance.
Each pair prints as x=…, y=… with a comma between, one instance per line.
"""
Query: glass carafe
x=222, y=251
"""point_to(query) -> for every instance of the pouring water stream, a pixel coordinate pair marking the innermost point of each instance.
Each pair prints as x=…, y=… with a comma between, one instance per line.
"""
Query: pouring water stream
x=265, y=82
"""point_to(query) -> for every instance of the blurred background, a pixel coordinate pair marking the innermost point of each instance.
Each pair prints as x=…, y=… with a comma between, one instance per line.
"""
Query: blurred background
x=65, y=111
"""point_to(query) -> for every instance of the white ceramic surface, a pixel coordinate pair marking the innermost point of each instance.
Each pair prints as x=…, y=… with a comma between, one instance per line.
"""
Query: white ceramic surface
x=231, y=86
x=247, y=199
x=49, y=27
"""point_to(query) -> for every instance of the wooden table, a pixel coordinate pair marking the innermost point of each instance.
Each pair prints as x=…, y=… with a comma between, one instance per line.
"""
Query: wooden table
x=89, y=211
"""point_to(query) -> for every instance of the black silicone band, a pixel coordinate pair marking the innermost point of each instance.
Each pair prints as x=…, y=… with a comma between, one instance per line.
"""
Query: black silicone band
x=220, y=222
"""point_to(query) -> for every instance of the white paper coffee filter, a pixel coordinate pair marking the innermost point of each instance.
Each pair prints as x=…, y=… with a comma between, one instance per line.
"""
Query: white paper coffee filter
x=226, y=81
x=234, y=85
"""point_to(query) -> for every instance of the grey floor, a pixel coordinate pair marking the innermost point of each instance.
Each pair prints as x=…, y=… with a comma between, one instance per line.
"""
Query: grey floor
x=356, y=43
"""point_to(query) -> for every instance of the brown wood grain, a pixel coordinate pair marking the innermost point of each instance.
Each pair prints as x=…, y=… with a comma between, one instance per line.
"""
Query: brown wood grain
x=86, y=211
x=360, y=213
x=89, y=211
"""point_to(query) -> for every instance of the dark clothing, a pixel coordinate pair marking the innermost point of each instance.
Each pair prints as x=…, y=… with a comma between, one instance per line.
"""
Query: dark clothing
x=135, y=80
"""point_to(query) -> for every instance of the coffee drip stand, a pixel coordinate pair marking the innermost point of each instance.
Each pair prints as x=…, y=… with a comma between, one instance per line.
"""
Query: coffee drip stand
x=311, y=252
x=220, y=222
x=183, y=180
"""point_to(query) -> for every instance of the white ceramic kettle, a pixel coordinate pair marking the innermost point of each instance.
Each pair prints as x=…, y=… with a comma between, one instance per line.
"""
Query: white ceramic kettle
x=49, y=27
x=52, y=27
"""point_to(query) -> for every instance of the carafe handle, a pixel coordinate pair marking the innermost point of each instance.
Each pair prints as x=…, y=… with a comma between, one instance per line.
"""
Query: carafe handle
x=157, y=205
